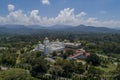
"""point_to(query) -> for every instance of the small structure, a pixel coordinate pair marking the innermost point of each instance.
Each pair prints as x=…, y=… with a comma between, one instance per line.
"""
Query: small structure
x=3, y=68
x=3, y=48
x=50, y=60
x=72, y=45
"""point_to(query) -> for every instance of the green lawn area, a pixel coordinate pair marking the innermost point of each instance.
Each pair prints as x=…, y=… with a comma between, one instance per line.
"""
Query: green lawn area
x=102, y=55
x=110, y=67
x=116, y=55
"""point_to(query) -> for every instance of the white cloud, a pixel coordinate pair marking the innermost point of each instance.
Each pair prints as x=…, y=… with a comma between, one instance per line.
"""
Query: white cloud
x=66, y=16
x=81, y=14
x=46, y=2
x=34, y=17
x=11, y=7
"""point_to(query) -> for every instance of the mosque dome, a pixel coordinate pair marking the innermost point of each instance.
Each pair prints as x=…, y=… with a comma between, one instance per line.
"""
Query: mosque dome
x=46, y=38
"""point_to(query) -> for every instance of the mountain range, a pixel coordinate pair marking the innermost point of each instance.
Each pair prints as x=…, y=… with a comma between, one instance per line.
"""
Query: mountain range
x=22, y=29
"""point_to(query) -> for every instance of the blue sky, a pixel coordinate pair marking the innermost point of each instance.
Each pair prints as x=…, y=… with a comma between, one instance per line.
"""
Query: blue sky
x=51, y=12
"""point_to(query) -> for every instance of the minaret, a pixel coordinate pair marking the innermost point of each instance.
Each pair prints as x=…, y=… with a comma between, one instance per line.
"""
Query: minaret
x=46, y=46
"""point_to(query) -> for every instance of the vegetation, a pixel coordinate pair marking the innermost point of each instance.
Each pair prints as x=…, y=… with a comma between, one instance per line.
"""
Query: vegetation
x=16, y=74
x=22, y=63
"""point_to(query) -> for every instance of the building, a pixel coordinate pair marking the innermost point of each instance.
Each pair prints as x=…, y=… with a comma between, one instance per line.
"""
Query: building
x=78, y=54
x=49, y=47
x=46, y=43
x=72, y=45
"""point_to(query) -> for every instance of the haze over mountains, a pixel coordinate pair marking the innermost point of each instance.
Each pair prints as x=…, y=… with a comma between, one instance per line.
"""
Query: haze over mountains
x=34, y=29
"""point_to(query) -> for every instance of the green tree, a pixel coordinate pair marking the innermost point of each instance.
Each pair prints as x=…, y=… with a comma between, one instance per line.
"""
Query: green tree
x=16, y=74
x=94, y=60
x=39, y=67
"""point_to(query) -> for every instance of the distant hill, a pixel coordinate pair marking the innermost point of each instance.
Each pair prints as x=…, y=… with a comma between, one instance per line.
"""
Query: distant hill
x=83, y=28
x=36, y=29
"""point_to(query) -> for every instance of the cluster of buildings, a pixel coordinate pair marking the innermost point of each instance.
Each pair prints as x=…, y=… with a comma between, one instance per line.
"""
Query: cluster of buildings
x=50, y=46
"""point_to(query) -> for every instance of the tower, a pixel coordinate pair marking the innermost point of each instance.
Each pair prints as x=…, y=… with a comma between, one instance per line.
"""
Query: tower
x=46, y=46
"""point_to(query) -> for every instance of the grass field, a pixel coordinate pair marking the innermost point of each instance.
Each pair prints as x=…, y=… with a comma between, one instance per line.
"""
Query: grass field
x=110, y=67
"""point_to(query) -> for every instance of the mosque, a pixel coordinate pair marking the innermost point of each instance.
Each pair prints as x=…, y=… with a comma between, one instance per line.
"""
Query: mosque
x=48, y=47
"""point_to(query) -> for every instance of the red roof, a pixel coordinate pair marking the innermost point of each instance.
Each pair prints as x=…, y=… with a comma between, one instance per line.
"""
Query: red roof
x=78, y=53
x=87, y=54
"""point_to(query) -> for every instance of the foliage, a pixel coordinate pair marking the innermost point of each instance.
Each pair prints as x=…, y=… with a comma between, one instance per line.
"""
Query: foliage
x=93, y=59
x=16, y=74
x=18, y=53
x=8, y=58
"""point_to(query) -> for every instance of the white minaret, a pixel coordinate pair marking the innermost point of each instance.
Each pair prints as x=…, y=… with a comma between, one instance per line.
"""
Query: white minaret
x=46, y=46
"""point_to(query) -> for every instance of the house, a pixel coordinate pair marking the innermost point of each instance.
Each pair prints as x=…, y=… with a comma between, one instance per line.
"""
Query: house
x=78, y=54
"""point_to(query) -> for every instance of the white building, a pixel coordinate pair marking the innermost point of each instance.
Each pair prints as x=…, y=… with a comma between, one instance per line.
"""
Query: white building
x=48, y=47
x=72, y=45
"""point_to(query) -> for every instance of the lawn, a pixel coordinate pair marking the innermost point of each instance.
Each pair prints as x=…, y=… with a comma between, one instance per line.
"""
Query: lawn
x=111, y=67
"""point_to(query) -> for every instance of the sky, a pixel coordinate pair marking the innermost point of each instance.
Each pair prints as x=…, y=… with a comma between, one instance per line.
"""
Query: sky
x=100, y=13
